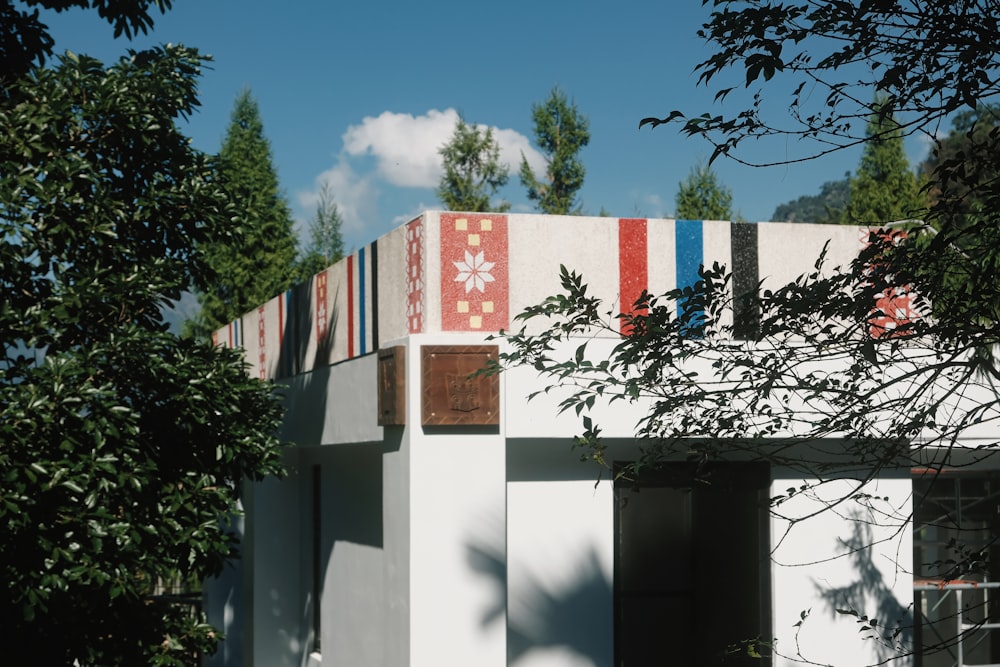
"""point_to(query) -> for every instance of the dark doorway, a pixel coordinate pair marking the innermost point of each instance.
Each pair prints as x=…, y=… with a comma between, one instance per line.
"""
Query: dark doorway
x=692, y=567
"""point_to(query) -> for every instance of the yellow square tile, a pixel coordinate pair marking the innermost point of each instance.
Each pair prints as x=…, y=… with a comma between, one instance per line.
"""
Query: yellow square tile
x=486, y=225
x=487, y=306
x=476, y=322
x=463, y=306
x=473, y=239
x=461, y=224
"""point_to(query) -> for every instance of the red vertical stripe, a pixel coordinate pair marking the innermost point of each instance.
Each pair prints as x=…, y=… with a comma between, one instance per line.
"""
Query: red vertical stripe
x=281, y=319
x=633, y=258
x=350, y=306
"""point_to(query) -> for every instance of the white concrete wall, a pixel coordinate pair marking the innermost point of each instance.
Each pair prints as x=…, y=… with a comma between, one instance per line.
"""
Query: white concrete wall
x=456, y=502
x=332, y=404
x=279, y=613
x=560, y=559
x=476, y=544
x=817, y=561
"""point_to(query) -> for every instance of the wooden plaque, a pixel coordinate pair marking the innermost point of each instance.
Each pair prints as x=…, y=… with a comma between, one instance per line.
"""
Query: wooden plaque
x=451, y=392
x=392, y=386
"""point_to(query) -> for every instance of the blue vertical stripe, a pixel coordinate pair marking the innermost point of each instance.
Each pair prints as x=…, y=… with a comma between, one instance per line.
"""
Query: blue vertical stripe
x=361, y=301
x=690, y=253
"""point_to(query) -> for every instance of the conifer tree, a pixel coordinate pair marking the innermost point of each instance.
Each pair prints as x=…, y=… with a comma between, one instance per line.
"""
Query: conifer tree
x=259, y=261
x=472, y=170
x=702, y=197
x=326, y=242
x=884, y=188
x=560, y=131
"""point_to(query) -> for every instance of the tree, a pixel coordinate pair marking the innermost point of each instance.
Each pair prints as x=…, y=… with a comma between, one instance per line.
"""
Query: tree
x=919, y=63
x=825, y=208
x=122, y=446
x=326, y=244
x=702, y=197
x=884, y=189
x=969, y=144
x=829, y=357
x=472, y=170
x=25, y=40
x=561, y=131
x=257, y=263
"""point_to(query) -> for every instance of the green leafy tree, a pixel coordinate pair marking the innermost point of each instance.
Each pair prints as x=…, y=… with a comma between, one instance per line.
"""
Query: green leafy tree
x=798, y=61
x=702, y=197
x=257, y=263
x=884, y=189
x=326, y=243
x=472, y=170
x=825, y=208
x=561, y=131
x=829, y=358
x=971, y=144
x=25, y=40
x=122, y=446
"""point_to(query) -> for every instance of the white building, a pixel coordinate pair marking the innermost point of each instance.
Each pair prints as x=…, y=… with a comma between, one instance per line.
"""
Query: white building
x=428, y=520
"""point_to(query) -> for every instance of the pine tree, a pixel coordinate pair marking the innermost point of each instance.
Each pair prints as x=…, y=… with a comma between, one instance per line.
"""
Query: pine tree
x=257, y=263
x=884, y=188
x=326, y=242
x=702, y=197
x=472, y=170
x=560, y=131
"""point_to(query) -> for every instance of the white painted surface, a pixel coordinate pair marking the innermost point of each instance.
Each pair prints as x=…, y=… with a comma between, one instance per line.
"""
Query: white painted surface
x=456, y=502
x=560, y=559
x=538, y=245
x=812, y=562
x=279, y=637
x=332, y=404
x=477, y=545
x=786, y=250
x=662, y=247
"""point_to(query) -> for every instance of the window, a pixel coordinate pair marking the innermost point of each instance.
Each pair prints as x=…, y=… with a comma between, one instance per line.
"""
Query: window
x=956, y=562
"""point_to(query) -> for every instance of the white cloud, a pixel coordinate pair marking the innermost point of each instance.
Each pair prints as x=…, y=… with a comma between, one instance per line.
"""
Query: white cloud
x=413, y=212
x=512, y=145
x=403, y=150
x=405, y=147
x=354, y=195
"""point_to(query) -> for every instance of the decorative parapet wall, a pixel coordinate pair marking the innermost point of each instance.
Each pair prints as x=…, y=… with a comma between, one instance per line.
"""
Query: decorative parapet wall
x=473, y=272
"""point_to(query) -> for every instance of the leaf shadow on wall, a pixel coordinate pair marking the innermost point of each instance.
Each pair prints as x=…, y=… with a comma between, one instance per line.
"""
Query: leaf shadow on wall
x=296, y=376
x=544, y=615
x=870, y=598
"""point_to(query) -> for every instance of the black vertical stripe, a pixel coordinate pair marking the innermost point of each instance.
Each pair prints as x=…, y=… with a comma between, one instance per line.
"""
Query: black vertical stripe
x=746, y=279
x=373, y=258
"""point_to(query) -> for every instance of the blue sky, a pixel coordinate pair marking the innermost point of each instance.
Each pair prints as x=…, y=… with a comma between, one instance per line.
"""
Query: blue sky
x=361, y=95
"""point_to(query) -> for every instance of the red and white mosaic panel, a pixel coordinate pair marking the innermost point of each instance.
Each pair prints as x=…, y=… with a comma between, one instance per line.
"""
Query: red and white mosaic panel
x=415, y=275
x=261, y=343
x=322, y=306
x=894, y=306
x=474, y=278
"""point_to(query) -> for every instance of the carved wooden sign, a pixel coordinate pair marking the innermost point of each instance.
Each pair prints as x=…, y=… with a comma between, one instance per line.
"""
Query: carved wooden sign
x=451, y=391
x=392, y=386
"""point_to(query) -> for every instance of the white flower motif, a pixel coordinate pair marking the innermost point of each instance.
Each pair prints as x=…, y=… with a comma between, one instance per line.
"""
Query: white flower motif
x=475, y=271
